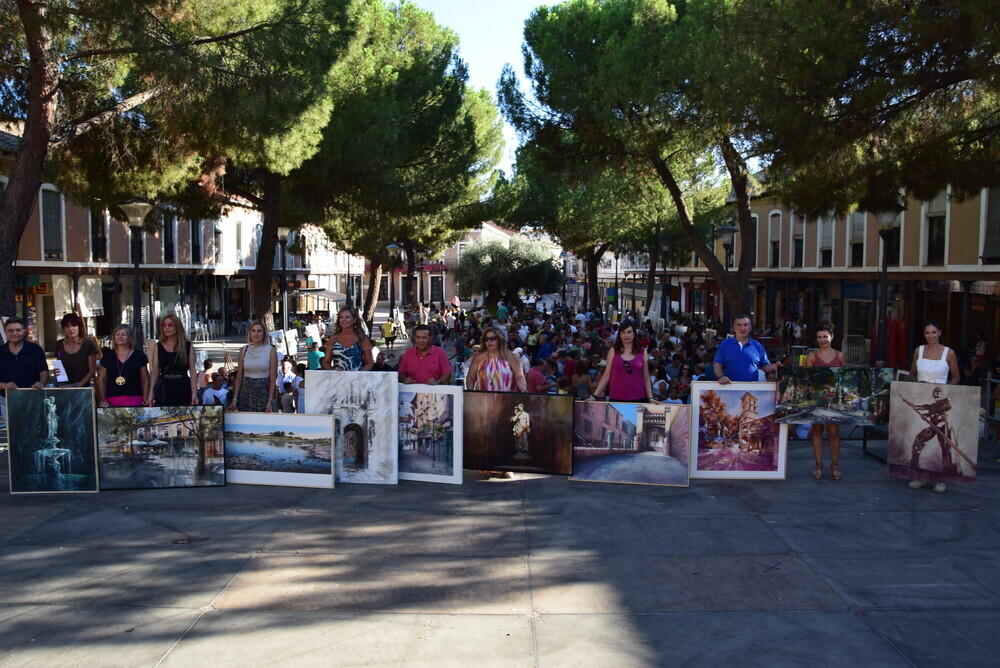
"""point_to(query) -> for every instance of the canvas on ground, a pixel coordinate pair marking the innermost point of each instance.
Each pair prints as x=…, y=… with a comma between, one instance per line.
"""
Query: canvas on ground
x=430, y=433
x=52, y=440
x=364, y=407
x=162, y=446
x=833, y=395
x=734, y=433
x=279, y=449
x=631, y=443
x=934, y=432
x=519, y=432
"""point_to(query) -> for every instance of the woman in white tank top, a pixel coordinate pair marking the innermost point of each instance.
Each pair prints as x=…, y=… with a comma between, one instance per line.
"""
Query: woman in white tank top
x=934, y=362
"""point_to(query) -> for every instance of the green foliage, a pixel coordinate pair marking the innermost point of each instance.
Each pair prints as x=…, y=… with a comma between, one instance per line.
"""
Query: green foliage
x=498, y=271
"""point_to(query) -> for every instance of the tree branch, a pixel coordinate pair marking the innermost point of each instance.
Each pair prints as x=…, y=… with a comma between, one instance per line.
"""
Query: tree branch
x=80, y=126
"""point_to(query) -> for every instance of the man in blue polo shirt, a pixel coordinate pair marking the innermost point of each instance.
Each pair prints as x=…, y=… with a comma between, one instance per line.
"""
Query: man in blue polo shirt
x=738, y=359
x=22, y=363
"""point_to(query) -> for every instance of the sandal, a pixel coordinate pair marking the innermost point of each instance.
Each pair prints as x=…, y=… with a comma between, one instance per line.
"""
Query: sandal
x=835, y=471
x=818, y=472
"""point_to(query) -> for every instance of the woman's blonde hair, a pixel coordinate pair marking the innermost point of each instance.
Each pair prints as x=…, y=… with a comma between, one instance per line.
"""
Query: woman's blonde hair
x=357, y=323
x=262, y=326
x=501, y=339
x=181, y=347
x=127, y=330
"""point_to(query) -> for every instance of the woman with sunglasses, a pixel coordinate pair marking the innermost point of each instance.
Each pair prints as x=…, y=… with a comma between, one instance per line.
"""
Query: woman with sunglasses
x=495, y=369
x=627, y=373
x=683, y=382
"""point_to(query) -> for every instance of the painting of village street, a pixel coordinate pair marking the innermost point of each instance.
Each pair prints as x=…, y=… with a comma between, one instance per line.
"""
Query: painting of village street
x=839, y=395
x=145, y=448
x=430, y=433
x=631, y=443
x=279, y=449
x=735, y=433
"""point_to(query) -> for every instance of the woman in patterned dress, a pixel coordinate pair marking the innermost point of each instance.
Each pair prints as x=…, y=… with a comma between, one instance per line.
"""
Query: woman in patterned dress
x=495, y=369
x=253, y=386
x=348, y=349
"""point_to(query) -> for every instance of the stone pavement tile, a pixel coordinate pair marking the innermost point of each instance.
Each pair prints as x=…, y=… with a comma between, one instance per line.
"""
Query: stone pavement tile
x=402, y=534
x=57, y=635
x=767, y=639
x=144, y=577
x=865, y=532
x=268, y=638
x=942, y=637
x=917, y=579
x=204, y=529
x=228, y=497
x=637, y=535
x=339, y=583
x=571, y=497
x=827, y=495
x=14, y=520
x=473, y=497
x=599, y=585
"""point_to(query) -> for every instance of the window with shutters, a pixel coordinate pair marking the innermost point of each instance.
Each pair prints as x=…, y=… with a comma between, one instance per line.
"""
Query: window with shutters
x=775, y=238
x=98, y=235
x=52, y=224
x=935, y=228
x=196, y=255
x=857, y=238
x=826, y=241
x=798, y=252
x=991, y=244
x=169, y=236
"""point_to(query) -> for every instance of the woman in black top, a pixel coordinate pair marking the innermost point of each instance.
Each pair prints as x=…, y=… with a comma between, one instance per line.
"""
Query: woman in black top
x=123, y=379
x=172, y=367
x=77, y=352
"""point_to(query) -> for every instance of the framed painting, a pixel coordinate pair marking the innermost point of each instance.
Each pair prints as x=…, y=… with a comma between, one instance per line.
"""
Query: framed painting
x=934, y=432
x=279, y=449
x=430, y=433
x=641, y=444
x=734, y=433
x=160, y=447
x=509, y=431
x=833, y=395
x=365, y=408
x=52, y=441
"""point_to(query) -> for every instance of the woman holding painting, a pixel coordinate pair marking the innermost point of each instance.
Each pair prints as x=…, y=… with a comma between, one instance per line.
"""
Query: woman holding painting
x=825, y=356
x=123, y=380
x=627, y=370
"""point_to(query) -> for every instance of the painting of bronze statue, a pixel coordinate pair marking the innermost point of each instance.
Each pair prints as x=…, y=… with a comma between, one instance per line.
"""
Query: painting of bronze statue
x=52, y=440
x=519, y=432
x=934, y=432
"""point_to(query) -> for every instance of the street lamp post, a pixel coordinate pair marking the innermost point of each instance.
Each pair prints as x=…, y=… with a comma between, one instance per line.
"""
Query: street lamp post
x=886, y=224
x=565, y=260
x=618, y=290
x=666, y=240
x=727, y=234
x=393, y=254
x=136, y=211
x=283, y=234
x=349, y=291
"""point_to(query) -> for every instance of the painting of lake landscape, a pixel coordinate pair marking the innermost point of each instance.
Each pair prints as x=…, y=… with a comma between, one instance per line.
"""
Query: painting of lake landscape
x=833, y=395
x=279, y=449
x=734, y=433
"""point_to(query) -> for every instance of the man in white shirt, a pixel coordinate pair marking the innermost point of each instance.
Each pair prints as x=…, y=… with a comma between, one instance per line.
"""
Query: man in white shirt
x=215, y=394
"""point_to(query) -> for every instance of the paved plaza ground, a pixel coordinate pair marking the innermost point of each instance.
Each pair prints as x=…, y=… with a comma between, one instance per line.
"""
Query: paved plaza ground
x=536, y=570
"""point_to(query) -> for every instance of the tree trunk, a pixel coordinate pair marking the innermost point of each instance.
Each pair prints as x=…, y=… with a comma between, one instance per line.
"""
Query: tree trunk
x=654, y=258
x=19, y=198
x=263, y=274
x=594, y=255
x=371, y=294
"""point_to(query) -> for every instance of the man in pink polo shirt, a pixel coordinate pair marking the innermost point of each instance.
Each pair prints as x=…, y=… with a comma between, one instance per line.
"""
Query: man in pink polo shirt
x=424, y=363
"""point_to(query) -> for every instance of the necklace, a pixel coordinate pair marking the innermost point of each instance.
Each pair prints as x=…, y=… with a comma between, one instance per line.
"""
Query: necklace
x=120, y=380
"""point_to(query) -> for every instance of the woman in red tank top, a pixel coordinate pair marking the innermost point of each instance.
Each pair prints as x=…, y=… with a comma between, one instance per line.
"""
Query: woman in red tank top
x=826, y=356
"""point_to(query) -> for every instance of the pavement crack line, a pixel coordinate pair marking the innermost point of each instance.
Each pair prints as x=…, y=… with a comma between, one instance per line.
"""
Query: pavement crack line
x=533, y=614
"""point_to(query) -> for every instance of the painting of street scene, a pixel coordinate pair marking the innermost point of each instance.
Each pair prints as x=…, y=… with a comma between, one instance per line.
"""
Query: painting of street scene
x=153, y=448
x=519, y=432
x=52, y=440
x=430, y=433
x=735, y=434
x=279, y=449
x=631, y=443
x=934, y=432
x=833, y=395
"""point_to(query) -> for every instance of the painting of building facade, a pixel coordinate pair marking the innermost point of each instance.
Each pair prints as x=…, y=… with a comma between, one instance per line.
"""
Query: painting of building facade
x=631, y=443
x=430, y=433
x=364, y=407
x=52, y=440
x=735, y=434
x=833, y=395
x=519, y=432
x=934, y=432
x=158, y=447
x=279, y=449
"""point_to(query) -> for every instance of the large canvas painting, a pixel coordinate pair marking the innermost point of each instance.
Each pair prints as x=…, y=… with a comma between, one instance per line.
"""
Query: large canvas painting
x=364, y=406
x=934, y=432
x=631, y=443
x=52, y=446
x=519, y=432
x=734, y=433
x=430, y=433
x=833, y=395
x=279, y=449
x=168, y=446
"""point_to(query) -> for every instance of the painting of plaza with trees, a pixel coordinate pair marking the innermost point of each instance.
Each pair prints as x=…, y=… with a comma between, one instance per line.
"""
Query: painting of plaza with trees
x=839, y=395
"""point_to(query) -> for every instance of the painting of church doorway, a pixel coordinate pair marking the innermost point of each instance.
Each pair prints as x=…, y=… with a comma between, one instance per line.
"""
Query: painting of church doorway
x=734, y=432
x=365, y=411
